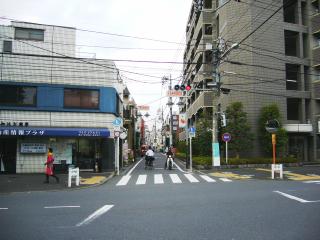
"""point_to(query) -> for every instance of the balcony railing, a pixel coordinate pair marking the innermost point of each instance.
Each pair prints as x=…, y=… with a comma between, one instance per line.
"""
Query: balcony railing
x=316, y=57
x=315, y=24
x=204, y=100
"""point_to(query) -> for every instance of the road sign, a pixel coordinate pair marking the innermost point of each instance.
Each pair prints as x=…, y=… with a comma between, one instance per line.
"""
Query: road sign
x=117, y=128
x=192, y=134
x=226, y=137
x=117, y=122
x=116, y=134
x=123, y=135
x=192, y=129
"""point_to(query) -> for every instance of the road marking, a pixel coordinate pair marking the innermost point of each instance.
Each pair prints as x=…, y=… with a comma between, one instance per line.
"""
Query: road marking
x=294, y=176
x=92, y=180
x=295, y=198
x=230, y=175
x=62, y=207
x=141, y=180
x=131, y=170
x=124, y=180
x=225, y=180
x=95, y=215
x=158, y=179
x=4, y=208
x=175, y=178
x=179, y=168
x=207, y=178
x=312, y=182
x=191, y=178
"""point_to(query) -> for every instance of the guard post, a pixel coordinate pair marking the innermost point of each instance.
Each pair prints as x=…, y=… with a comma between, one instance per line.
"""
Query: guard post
x=73, y=173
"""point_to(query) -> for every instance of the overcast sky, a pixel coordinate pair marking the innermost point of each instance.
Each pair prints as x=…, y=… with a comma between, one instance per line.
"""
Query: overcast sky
x=163, y=20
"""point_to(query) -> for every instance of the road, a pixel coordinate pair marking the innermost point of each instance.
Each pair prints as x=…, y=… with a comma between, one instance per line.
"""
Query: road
x=163, y=204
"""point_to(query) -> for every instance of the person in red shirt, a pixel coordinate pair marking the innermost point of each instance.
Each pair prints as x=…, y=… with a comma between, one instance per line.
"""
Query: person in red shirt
x=49, y=167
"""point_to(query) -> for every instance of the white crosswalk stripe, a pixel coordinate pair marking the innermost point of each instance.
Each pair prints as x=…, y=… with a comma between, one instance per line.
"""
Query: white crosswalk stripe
x=207, y=178
x=142, y=179
x=174, y=178
x=124, y=180
x=191, y=178
x=158, y=179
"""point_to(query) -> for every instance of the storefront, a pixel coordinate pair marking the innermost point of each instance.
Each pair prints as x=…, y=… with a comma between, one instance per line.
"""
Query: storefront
x=23, y=149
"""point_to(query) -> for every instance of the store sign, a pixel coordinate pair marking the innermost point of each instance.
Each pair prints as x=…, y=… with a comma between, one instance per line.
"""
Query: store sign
x=183, y=120
x=56, y=132
x=33, y=148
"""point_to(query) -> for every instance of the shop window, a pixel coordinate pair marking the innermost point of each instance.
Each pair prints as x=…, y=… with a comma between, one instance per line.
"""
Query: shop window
x=81, y=98
x=18, y=96
x=29, y=34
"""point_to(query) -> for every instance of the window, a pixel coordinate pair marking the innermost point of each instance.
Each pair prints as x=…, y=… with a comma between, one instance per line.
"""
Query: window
x=290, y=11
x=81, y=98
x=29, y=34
x=208, y=29
x=293, y=108
x=18, y=96
x=7, y=46
x=291, y=43
x=207, y=4
x=292, y=77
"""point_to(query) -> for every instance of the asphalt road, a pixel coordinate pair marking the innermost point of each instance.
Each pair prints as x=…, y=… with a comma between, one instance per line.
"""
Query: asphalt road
x=163, y=204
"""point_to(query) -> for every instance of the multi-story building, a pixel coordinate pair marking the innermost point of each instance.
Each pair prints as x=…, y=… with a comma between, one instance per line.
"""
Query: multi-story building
x=50, y=98
x=277, y=62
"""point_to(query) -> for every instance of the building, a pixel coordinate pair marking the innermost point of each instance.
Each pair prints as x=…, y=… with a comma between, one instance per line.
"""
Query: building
x=277, y=63
x=51, y=98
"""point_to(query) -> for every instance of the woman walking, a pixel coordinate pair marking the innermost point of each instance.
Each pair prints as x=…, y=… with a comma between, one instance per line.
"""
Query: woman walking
x=49, y=167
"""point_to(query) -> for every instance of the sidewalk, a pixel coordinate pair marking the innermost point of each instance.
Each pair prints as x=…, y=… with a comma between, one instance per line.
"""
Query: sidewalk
x=35, y=182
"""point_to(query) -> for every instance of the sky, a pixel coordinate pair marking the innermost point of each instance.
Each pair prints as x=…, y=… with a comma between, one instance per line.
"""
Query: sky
x=164, y=21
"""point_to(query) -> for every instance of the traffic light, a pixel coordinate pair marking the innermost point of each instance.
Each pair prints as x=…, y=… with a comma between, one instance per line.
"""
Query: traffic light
x=182, y=87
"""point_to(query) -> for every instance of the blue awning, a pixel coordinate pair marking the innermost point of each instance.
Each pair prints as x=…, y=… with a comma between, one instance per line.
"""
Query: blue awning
x=54, y=132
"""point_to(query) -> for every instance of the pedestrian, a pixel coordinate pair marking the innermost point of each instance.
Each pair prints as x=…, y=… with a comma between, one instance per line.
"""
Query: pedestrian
x=49, y=166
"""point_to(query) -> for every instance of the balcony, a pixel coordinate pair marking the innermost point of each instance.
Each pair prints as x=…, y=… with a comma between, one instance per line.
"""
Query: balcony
x=298, y=128
x=204, y=100
x=316, y=57
x=316, y=88
x=315, y=24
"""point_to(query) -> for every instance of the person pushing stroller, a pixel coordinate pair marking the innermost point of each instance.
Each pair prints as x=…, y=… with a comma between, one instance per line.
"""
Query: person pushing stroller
x=149, y=158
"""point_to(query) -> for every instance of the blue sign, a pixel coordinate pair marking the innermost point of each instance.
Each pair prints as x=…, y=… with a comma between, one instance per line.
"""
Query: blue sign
x=226, y=137
x=192, y=129
x=54, y=132
x=117, y=122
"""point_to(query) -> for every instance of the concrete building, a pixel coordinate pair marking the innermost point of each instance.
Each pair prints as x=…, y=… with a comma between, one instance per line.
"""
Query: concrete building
x=278, y=63
x=50, y=98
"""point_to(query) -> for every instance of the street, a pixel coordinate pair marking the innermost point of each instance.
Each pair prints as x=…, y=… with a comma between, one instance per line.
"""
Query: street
x=164, y=204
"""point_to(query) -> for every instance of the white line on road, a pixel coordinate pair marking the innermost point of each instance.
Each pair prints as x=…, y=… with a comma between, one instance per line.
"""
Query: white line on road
x=295, y=198
x=225, y=180
x=179, y=168
x=4, y=208
x=95, y=215
x=207, y=178
x=131, y=170
x=62, y=207
x=191, y=178
x=124, y=180
x=158, y=179
x=141, y=179
x=175, y=178
x=312, y=182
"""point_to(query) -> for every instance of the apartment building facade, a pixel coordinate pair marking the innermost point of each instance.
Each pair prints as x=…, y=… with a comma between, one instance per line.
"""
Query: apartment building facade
x=277, y=63
x=51, y=98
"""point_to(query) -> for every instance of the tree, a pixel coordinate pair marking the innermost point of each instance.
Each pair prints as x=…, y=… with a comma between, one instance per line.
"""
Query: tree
x=201, y=144
x=238, y=127
x=270, y=112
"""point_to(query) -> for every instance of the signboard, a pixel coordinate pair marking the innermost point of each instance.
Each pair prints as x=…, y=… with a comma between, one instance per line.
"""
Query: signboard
x=116, y=128
x=174, y=93
x=33, y=148
x=192, y=134
x=216, y=154
x=144, y=108
x=192, y=129
x=183, y=120
x=54, y=132
x=117, y=122
x=226, y=137
x=62, y=151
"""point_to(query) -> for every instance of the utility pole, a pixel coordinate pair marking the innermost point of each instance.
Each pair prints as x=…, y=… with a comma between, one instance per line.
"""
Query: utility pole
x=171, y=118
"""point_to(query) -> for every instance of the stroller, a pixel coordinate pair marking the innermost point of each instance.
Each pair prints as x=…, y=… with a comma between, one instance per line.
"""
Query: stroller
x=148, y=162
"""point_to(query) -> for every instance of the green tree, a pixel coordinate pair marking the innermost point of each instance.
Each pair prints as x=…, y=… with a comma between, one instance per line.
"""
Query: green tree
x=270, y=112
x=201, y=144
x=238, y=127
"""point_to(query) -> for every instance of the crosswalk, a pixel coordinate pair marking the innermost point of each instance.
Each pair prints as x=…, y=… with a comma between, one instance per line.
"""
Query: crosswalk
x=159, y=179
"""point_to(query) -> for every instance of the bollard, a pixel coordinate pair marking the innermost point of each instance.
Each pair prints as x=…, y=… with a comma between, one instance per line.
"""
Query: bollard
x=276, y=168
x=73, y=173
